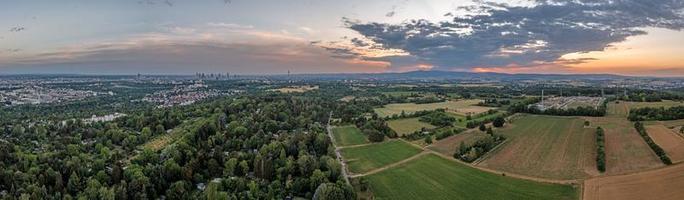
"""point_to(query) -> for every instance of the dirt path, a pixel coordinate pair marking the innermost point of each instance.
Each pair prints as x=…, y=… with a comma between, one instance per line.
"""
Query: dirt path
x=391, y=165
x=519, y=176
x=352, y=146
x=429, y=151
x=337, y=150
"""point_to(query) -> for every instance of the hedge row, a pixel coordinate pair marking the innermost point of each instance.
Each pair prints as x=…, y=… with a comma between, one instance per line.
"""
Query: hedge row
x=600, y=150
x=659, y=151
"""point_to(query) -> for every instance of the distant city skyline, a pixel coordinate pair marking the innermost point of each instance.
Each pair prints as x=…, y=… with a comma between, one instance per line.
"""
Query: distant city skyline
x=625, y=37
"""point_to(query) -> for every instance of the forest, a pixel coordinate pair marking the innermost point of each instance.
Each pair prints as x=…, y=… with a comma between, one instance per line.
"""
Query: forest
x=252, y=147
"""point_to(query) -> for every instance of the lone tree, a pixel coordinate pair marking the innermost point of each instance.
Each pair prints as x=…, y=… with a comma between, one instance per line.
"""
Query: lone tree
x=483, y=127
x=499, y=122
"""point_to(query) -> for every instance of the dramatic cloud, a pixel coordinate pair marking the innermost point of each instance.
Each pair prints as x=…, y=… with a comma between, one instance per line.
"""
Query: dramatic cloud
x=499, y=35
x=217, y=47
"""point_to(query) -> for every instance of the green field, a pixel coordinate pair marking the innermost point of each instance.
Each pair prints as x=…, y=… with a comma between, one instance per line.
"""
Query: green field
x=461, y=107
x=546, y=146
x=366, y=158
x=408, y=125
x=348, y=135
x=434, y=177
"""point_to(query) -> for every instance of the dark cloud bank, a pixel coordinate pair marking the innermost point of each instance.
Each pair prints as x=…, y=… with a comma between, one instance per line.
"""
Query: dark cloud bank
x=498, y=34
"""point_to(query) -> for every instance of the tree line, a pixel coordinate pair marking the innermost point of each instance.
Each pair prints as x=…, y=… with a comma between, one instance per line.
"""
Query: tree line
x=600, y=150
x=659, y=151
x=659, y=113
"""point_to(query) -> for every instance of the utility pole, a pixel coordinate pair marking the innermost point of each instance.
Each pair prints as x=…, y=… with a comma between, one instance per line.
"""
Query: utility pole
x=542, y=100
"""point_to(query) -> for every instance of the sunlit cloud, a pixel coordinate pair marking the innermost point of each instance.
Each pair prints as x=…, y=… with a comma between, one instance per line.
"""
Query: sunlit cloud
x=520, y=37
x=216, y=47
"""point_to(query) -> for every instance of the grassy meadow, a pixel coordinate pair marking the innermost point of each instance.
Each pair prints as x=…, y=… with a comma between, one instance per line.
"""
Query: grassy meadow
x=366, y=158
x=348, y=135
x=434, y=177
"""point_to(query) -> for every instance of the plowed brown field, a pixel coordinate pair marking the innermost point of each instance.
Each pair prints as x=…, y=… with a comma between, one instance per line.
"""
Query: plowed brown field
x=667, y=139
x=662, y=184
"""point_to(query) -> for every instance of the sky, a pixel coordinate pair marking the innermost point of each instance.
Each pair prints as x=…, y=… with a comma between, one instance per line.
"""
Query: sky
x=629, y=37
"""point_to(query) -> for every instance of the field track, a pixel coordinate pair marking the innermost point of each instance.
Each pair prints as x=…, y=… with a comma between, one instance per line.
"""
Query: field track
x=365, y=158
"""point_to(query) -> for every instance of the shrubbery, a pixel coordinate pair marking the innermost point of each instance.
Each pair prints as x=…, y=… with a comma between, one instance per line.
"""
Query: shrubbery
x=438, y=118
x=479, y=148
x=444, y=134
x=499, y=122
x=494, y=102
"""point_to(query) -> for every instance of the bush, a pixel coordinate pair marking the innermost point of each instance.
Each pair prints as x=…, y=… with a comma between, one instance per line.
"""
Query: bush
x=478, y=149
x=499, y=122
x=483, y=127
x=428, y=139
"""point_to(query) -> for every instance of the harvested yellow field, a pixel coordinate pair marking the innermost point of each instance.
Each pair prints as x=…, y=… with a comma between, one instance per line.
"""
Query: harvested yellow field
x=462, y=107
x=296, y=89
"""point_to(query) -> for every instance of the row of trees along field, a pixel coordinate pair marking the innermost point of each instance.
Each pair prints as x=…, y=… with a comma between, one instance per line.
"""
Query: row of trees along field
x=659, y=151
x=659, y=113
x=650, y=96
x=600, y=150
x=482, y=119
x=252, y=147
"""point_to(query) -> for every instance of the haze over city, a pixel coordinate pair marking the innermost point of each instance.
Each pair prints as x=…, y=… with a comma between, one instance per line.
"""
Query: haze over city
x=627, y=37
